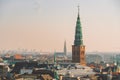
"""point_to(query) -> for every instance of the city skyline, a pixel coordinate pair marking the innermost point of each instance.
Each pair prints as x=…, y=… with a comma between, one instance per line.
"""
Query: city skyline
x=45, y=24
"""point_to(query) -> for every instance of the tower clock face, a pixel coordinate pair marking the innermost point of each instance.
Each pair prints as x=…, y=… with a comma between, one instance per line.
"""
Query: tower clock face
x=82, y=47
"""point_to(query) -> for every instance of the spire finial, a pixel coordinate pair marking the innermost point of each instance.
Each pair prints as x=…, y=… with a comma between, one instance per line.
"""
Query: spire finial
x=78, y=9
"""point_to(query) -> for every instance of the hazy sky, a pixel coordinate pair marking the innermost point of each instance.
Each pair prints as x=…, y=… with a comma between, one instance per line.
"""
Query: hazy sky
x=44, y=25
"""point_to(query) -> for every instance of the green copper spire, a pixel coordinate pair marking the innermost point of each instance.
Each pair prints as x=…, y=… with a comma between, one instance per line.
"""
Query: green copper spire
x=55, y=58
x=65, y=48
x=78, y=32
x=56, y=75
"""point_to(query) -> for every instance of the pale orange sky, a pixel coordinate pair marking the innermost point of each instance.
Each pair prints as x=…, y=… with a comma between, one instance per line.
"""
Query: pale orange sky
x=44, y=25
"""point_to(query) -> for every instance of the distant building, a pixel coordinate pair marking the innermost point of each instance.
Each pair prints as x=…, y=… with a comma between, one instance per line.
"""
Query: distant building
x=118, y=59
x=3, y=69
x=61, y=56
x=28, y=66
x=24, y=70
x=37, y=75
x=93, y=58
x=32, y=71
x=78, y=49
x=18, y=57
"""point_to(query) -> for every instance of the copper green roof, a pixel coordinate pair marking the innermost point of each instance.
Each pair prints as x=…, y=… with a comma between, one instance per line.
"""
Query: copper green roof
x=78, y=32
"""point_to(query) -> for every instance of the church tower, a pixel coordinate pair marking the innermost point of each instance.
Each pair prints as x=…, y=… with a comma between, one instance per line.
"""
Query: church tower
x=65, y=48
x=78, y=49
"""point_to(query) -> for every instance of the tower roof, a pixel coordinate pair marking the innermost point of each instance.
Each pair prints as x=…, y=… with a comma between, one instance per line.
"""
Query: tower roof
x=78, y=32
x=65, y=48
